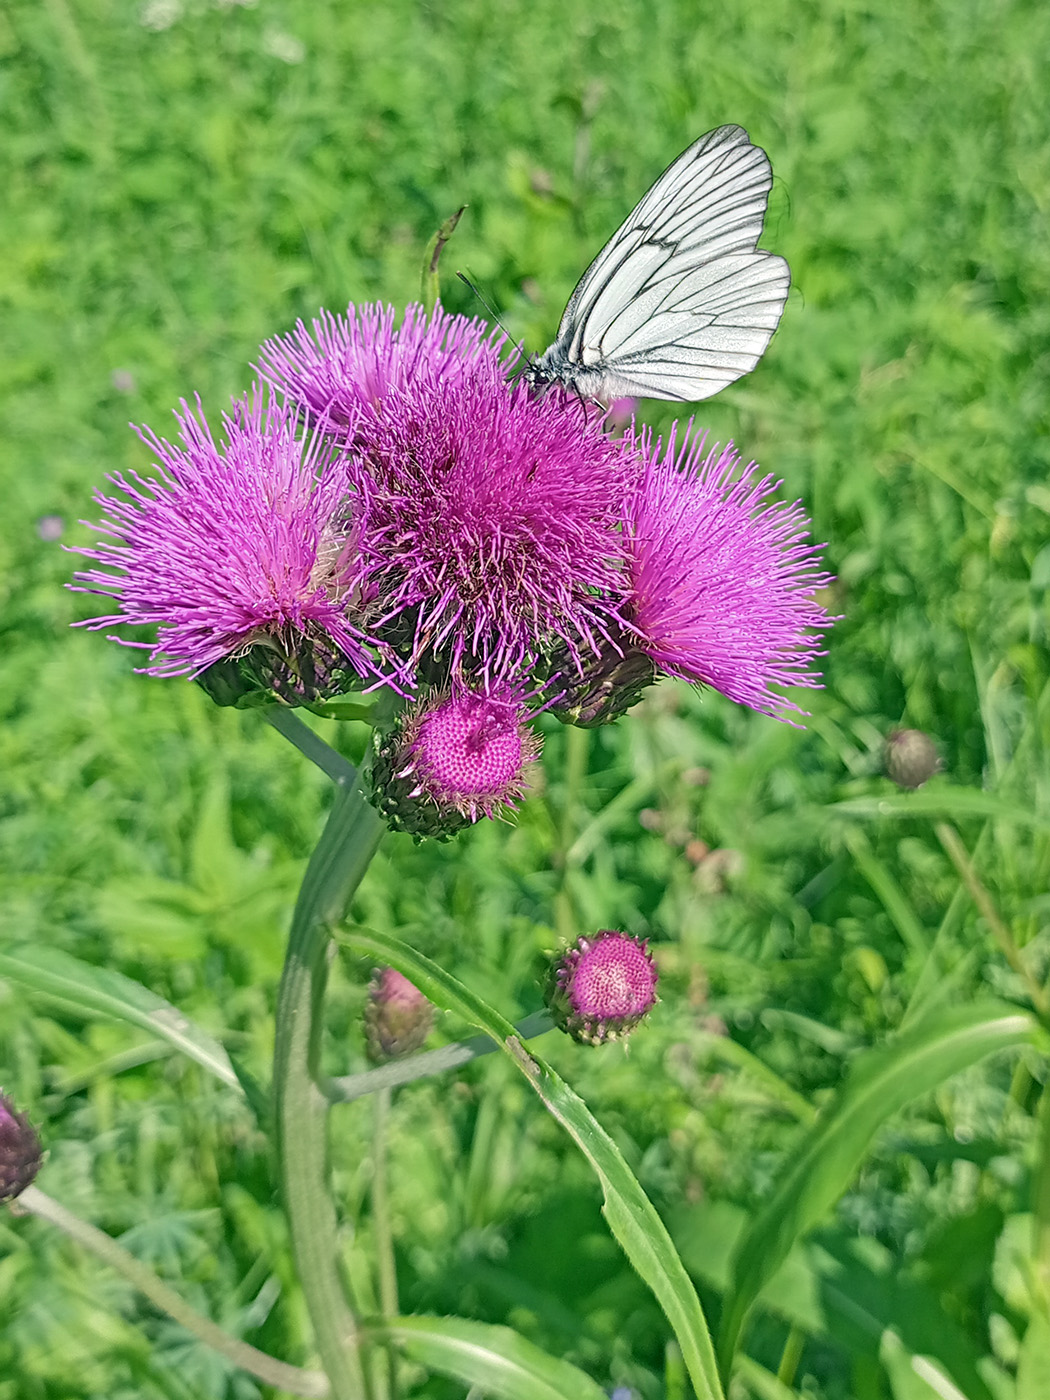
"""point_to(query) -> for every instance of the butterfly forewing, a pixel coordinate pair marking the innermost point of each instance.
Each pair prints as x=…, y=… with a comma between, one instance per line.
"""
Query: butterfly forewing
x=679, y=303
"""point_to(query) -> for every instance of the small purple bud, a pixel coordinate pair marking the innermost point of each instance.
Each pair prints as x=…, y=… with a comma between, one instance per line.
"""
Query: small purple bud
x=50, y=528
x=20, y=1151
x=398, y=1016
x=911, y=758
x=602, y=987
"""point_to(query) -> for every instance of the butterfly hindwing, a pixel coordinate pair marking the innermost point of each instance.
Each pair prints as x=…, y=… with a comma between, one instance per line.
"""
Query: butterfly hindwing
x=680, y=302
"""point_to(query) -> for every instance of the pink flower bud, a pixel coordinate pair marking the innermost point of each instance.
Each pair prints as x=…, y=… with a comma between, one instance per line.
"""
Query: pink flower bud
x=398, y=1017
x=20, y=1151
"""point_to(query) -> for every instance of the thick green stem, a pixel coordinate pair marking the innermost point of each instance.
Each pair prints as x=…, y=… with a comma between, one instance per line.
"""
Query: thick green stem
x=386, y=1265
x=335, y=870
x=577, y=748
x=339, y=769
x=257, y=1363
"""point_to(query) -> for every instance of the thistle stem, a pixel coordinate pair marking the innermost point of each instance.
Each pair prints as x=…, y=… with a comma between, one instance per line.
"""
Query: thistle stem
x=340, y=860
x=577, y=748
x=386, y=1265
x=311, y=746
x=257, y=1363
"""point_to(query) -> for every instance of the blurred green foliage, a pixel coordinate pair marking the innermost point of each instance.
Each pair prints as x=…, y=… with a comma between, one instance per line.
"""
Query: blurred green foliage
x=182, y=180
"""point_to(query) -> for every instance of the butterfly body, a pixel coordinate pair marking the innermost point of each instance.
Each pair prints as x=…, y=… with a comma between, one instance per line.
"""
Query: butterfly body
x=680, y=302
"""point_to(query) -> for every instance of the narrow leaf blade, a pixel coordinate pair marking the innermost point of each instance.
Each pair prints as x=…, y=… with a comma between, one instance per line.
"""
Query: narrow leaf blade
x=498, y=1360
x=102, y=991
x=881, y=1083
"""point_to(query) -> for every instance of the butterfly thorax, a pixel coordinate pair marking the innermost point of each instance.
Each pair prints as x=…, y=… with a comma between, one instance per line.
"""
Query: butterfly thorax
x=555, y=367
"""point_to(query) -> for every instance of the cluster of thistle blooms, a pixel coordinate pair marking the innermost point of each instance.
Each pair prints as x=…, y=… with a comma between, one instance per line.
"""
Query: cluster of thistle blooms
x=393, y=509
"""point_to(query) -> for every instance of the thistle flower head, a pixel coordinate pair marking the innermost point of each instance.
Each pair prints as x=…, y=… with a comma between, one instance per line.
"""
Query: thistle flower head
x=398, y=1016
x=722, y=575
x=452, y=758
x=235, y=545
x=489, y=523
x=343, y=368
x=602, y=986
x=20, y=1152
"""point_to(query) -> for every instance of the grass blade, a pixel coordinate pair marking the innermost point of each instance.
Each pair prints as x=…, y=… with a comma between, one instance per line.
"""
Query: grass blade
x=498, y=1360
x=100, y=991
x=882, y=1081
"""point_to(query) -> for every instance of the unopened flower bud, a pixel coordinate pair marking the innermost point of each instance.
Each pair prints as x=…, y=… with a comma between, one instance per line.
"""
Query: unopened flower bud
x=398, y=1016
x=269, y=672
x=610, y=684
x=600, y=988
x=20, y=1151
x=450, y=760
x=911, y=758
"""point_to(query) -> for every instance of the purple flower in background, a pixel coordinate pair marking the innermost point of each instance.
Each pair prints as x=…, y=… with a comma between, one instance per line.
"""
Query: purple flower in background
x=233, y=545
x=723, y=575
x=343, y=367
x=489, y=523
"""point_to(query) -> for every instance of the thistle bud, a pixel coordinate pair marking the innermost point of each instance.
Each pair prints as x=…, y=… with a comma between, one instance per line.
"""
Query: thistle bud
x=451, y=759
x=272, y=673
x=911, y=758
x=601, y=988
x=398, y=1016
x=610, y=684
x=20, y=1151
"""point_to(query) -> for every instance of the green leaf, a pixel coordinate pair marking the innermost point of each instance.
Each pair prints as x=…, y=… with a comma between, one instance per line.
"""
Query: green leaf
x=880, y=1083
x=1033, y=1366
x=942, y=800
x=631, y=1216
x=915, y=1377
x=762, y=1383
x=100, y=991
x=498, y=1360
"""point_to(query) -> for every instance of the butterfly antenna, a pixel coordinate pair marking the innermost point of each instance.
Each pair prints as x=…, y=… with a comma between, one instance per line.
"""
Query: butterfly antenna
x=519, y=353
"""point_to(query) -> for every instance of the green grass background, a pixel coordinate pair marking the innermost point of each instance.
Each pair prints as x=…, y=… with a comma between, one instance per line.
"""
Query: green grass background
x=182, y=180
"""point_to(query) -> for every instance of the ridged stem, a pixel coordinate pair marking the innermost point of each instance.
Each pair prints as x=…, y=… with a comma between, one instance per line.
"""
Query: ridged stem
x=340, y=860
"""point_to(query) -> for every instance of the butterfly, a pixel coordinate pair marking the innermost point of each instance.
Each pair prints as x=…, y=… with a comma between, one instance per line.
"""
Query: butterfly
x=679, y=302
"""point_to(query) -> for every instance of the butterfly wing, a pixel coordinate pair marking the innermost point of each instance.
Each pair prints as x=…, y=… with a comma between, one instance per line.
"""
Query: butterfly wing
x=679, y=302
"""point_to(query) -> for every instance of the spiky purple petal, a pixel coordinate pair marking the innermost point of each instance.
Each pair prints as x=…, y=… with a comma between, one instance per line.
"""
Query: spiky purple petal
x=723, y=575
x=232, y=542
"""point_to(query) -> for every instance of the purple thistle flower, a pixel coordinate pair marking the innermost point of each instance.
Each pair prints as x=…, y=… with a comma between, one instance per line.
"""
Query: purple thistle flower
x=231, y=545
x=602, y=987
x=489, y=523
x=723, y=576
x=343, y=367
x=453, y=758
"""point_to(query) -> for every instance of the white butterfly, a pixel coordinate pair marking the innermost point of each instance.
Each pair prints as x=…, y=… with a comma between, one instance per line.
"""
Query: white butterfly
x=679, y=302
